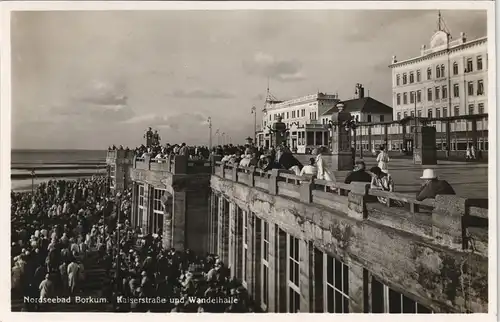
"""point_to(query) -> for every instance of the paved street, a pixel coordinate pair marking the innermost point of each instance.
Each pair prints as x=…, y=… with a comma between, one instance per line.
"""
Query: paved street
x=468, y=179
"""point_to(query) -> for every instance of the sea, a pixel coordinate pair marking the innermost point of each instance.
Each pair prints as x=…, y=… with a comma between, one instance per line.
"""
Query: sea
x=51, y=157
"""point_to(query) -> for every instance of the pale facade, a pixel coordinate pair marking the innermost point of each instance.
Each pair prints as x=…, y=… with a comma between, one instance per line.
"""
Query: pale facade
x=302, y=118
x=447, y=79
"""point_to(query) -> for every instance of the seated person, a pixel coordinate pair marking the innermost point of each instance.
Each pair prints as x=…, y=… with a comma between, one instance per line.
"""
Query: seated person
x=381, y=181
x=433, y=186
x=359, y=174
x=309, y=169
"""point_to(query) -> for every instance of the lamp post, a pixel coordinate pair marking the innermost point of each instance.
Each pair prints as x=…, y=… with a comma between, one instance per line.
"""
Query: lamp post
x=209, y=133
x=118, y=213
x=223, y=138
x=33, y=183
x=217, y=133
x=254, y=112
x=415, y=121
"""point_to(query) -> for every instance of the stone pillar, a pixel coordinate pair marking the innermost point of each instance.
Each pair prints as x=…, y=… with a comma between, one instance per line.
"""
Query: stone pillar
x=239, y=242
x=447, y=221
x=448, y=136
x=274, y=272
x=425, y=153
x=281, y=302
x=256, y=255
x=474, y=134
x=356, y=288
x=223, y=231
x=305, y=275
x=370, y=146
x=232, y=239
x=316, y=267
x=167, y=220
x=278, y=132
x=341, y=158
x=179, y=220
x=250, y=263
x=133, y=220
x=147, y=209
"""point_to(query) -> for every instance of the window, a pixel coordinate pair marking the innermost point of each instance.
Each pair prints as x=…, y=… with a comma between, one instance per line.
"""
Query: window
x=336, y=290
x=397, y=79
x=412, y=78
x=412, y=97
x=438, y=72
x=398, y=99
x=293, y=114
x=457, y=111
x=455, y=68
x=479, y=63
x=381, y=118
x=386, y=300
x=157, y=210
x=245, y=245
x=369, y=118
x=480, y=87
x=445, y=112
x=419, y=113
x=265, y=262
x=471, y=109
x=429, y=94
x=419, y=96
x=444, y=92
x=456, y=90
x=303, y=112
x=429, y=113
x=470, y=88
x=429, y=73
x=418, y=76
x=287, y=115
x=405, y=114
x=480, y=107
x=469, y=66
x=293, y=275
x=438, y=113
x=442, y=71
x=412, y=113
x=405, y=98
x=141, y=209
x=399, y=116
x=405, y=80
x=437, y=90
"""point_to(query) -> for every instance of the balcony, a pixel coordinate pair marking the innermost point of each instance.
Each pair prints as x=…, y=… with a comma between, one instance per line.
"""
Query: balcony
x=178, y=164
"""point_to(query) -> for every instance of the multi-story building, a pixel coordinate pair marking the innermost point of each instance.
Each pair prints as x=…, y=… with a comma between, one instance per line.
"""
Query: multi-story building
x=447, y=79
x=301, y=115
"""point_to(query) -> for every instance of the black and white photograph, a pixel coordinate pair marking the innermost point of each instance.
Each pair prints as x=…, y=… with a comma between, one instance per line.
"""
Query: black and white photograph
x=276, y=159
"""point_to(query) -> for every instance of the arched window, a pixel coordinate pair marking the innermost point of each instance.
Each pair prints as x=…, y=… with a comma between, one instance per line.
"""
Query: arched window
x=397, y=79
x=438, y=72
x=429, y=73
x=412, y=78
x=418, y=76
x=455, y=68
x=442, y=71
x=398, y=99
x=405, y=79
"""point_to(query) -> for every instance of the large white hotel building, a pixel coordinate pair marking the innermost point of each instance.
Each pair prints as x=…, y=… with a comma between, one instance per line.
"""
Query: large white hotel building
x=447, y=79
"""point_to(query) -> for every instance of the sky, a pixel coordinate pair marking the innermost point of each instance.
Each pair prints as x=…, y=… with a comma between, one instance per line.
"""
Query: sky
x=87, y=80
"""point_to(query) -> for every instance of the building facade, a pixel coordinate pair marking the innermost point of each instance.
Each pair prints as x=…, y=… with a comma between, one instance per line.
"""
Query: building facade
x=449, y=78
x=302, y=117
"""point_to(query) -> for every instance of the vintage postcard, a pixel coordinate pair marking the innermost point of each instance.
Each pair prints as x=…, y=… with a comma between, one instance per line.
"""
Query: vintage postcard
x=324, y=157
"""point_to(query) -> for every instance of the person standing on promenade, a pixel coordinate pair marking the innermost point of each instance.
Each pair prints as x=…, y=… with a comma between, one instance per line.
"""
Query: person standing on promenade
x=383, y=159
x=149, y=137
x=156, y=138
x=433, y=186
x=323, y=171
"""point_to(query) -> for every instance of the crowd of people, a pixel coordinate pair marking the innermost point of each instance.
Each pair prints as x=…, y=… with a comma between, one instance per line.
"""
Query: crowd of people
x=65, y=225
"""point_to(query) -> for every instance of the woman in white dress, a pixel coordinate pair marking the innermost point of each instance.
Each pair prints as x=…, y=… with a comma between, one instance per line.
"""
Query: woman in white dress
x=383, y=159
x=323, y=172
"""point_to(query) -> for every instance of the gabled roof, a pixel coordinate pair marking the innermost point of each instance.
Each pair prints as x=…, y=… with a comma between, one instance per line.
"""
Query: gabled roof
x=363, y=105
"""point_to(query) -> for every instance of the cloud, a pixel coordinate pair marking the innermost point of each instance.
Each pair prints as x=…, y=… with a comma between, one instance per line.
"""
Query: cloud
x=282, y=70
x=174, y=122
x=215, y=94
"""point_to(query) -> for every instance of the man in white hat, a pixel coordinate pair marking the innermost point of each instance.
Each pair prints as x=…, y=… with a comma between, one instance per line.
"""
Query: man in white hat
x=433, y=186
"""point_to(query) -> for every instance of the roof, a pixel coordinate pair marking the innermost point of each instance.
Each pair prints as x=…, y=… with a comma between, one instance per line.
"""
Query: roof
x=364, y=105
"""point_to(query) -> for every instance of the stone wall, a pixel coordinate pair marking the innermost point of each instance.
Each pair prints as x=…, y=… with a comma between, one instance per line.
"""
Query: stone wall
x=415, y=253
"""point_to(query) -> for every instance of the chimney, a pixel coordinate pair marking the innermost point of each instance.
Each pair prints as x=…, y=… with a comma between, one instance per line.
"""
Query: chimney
x=462, y=37
x=360, y=91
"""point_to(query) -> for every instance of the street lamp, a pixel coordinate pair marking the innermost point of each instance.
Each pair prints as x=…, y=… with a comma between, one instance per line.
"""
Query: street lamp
x=217, y=133
x=254, y=112
x=33, y=183
x=210, y=132
x=118, y=213
x=223, y=138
